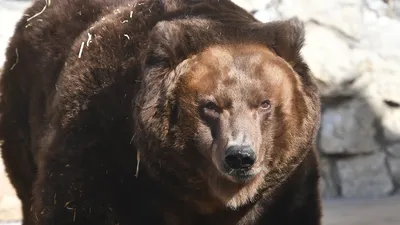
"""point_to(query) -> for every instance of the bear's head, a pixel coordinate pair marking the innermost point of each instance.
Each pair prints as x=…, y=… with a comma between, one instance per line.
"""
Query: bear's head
x=226, y=110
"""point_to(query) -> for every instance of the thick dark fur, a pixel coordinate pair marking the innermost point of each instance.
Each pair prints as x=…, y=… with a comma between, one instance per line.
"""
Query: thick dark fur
x=71, y=126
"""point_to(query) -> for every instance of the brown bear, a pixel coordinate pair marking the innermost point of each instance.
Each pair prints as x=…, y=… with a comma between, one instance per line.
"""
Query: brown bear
x=167, y=112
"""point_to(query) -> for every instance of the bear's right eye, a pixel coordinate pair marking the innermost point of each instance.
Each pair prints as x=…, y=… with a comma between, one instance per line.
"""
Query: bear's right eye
x=211, y=109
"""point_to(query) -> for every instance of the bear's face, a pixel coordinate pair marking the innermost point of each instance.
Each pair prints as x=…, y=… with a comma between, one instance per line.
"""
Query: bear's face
x=237, y=92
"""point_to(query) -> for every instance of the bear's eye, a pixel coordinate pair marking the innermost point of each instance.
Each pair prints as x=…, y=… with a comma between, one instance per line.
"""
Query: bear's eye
x=211, y=109
x=211, y=106
x=265, y=105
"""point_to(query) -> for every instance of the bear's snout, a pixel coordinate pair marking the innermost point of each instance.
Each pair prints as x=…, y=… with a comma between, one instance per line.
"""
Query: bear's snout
x=239, y=161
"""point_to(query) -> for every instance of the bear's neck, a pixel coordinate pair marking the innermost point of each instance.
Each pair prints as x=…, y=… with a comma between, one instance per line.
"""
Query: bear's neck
x=180, y=205
x=187, y=217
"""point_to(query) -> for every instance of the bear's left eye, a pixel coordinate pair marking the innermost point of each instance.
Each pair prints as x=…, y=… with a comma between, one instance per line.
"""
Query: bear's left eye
x=211, y=106
x=211, y=109
x=265, y=105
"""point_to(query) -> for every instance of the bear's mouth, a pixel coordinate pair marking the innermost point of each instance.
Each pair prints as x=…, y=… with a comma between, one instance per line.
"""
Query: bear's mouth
x=242, y=175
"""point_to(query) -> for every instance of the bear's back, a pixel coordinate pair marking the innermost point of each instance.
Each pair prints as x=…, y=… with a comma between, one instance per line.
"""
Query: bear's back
x=47, y=33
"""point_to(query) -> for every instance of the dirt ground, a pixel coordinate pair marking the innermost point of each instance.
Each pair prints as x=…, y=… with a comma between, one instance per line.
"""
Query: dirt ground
x=384, y=211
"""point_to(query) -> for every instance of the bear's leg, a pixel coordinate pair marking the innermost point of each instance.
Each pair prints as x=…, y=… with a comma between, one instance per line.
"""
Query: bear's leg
x=76, y=183
x=299, y=201
x=21, y=174
x=306, y=201
x=301, y=208
x=72, y=200
x=17, y=156
x=28, y=218
x=308, y=212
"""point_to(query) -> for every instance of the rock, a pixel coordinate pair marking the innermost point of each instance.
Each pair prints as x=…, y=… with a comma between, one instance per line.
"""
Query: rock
x=394, y=150
x=377, y=40
x=383, y=94
x=334, y=14
x=348, y=129
x=253, y=5
x=364, y=176
x=396, y=7
x=267, y=15
x=394, y=166
x=327, y=183
x=390, y=9
x=340, y=71
x=391, y=124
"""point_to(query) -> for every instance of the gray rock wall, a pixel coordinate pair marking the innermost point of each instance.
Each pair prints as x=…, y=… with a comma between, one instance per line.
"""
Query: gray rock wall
x=353, y=48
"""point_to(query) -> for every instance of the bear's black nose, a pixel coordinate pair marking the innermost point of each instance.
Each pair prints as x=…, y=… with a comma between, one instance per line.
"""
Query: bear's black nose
x=240, y=157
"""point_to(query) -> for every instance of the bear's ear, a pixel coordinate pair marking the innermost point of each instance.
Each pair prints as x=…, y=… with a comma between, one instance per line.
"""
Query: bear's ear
x=169, y=43
x=286, y=38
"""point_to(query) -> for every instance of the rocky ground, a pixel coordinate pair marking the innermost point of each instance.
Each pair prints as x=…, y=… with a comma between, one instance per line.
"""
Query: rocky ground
x=353, y=48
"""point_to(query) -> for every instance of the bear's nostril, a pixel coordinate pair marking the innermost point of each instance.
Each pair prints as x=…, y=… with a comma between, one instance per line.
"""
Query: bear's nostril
x=233, y=161
x=240, y=157
x=247, y=162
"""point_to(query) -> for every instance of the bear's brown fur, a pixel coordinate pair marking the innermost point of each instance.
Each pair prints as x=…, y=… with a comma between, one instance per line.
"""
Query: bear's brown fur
x=88, y=84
